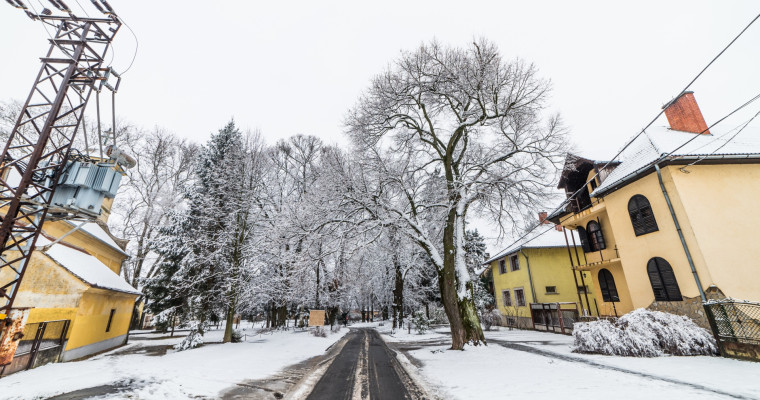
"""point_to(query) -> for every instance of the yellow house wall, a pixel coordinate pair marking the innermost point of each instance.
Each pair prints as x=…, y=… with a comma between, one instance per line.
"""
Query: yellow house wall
x=548, y=267
x=721, y=203
x=92, y=317
x=635, y=251
x=103, y=252
x=46, y=286
x=621, y=284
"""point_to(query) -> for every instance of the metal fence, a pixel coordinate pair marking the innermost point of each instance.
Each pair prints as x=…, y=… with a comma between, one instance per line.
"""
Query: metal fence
x=42, y=343
x=554, y=317
x=736, y=326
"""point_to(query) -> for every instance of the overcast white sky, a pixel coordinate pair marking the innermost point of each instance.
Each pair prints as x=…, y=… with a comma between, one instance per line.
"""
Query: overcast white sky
x=296, y=67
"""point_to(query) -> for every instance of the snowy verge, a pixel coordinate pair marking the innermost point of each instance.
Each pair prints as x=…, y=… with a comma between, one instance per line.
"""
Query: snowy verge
x=644, y=333
x=493, y=371
x=200, y=372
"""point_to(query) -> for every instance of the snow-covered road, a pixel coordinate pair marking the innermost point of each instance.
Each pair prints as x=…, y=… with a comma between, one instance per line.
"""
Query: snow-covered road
x=139, y=371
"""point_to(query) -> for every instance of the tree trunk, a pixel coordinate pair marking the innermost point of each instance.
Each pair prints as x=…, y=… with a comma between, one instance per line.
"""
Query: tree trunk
x=316, y=297
x=282, y=313
x=398, y=295
x=228, y=324
x=463, y=316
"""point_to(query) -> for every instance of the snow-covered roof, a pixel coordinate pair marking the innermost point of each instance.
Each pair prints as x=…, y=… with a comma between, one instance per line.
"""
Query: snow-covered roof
x=541, y=238
x=94, y=230
x=657, y=142
x=86, y=267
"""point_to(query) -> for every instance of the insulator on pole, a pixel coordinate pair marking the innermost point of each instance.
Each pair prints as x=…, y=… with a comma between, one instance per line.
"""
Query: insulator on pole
x=108, y=6
x=95, y=3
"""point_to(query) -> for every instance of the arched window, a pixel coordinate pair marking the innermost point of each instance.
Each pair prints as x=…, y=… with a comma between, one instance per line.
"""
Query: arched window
x=595, y=238
x=607, y=286
x=583, y=236
x=663, y=280
x=641, y=214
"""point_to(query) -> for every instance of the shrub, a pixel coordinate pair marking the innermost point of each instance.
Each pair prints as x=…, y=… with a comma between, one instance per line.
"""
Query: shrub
x=421, y=323
x=438, y=316
x=237, y=337
x=319, y=332
x=191, y=341
x=644, y=333
x=491, y=318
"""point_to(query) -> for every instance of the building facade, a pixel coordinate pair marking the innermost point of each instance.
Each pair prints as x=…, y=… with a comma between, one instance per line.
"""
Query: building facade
x=539, y=270
x=73, y=300
x=669, y=223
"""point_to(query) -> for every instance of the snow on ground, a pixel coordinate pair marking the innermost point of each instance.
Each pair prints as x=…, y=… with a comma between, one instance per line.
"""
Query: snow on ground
x=204, y=371
x=494, y=372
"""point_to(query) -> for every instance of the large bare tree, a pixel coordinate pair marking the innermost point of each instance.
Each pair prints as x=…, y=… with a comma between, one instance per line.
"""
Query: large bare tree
x=445, y=131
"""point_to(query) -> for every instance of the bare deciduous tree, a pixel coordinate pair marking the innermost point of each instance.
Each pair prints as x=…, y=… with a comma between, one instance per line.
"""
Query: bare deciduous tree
x=470, y=123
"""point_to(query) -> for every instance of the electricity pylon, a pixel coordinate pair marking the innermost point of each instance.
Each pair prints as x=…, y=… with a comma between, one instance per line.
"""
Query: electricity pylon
x=40, y=144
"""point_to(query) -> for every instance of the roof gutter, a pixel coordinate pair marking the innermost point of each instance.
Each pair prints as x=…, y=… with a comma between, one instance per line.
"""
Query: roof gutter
x=680, y=234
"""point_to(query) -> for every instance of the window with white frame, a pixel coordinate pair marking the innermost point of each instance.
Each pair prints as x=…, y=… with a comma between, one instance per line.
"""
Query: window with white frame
x=506, y=298
x=519, y=297
x=514, y=263
x=502, y=266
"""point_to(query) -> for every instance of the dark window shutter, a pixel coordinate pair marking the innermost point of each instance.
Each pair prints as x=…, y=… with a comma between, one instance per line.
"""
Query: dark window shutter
x=584, y=239
x=663, y=280
x=607, y=286
x=642, y=217
x=595, y=236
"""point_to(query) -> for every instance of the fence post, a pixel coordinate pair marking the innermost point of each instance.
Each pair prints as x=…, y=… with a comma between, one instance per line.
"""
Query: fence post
x=714, y=327
x=561, y=320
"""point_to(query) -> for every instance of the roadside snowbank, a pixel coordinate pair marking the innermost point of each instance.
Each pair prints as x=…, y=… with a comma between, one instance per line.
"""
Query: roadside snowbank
x=495, y=372
x=204, y=371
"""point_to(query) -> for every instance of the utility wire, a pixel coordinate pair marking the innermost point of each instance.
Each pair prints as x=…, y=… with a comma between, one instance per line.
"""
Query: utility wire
x=686, y=88
x=724, y=144
x=137, y=45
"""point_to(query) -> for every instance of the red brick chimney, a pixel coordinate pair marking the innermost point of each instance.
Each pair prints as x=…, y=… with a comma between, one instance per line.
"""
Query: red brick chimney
x=684, y=115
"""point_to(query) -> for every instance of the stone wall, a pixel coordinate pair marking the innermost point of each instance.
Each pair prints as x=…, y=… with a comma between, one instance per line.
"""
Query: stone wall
x=690, y=307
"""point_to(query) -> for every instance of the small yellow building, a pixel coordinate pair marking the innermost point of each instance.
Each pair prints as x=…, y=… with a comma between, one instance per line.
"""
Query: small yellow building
x=75, y=301
x=671, y=222
x=538, y=271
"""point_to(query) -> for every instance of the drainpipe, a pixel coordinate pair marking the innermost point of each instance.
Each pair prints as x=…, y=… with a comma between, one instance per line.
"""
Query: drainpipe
x=530, y=277
x=680, y=234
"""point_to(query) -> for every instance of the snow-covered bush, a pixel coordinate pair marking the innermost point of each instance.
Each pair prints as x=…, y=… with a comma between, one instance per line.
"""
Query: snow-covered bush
x=490, y=318
x=236, y=337
x=438, y=316
x=319, y=332
x=192, y=340
x=644, y=333
x=421, y=323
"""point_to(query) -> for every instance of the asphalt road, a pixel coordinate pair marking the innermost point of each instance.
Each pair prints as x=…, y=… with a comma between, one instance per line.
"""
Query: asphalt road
x=364, y=369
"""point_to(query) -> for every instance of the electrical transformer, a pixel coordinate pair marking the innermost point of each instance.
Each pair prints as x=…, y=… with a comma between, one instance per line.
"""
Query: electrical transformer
x=84, y=185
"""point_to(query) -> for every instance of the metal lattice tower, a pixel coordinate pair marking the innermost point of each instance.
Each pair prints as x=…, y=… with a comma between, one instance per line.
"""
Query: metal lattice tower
x=39, y=146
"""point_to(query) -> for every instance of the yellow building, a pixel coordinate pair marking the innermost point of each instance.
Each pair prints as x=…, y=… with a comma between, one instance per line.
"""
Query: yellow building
x=537, y=273
x=671, y=222
x=75, y=301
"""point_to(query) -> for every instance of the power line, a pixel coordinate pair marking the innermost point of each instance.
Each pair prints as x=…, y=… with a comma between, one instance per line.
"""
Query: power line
x=724, y=144
x=686, y=88
x=137, y=45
